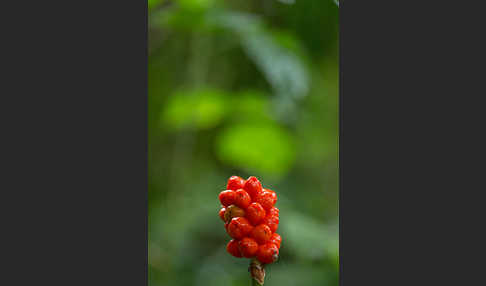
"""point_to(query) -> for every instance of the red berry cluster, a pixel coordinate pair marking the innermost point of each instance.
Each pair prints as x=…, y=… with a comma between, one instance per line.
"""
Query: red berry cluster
x=251, y=219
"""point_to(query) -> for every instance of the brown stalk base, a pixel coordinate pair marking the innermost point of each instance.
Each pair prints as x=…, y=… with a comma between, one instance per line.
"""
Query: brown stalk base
x=257, y=272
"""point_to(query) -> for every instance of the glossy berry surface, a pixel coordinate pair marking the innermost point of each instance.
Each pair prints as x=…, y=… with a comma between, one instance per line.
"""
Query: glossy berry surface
x=255, y=213
x=221, y=213
x=248, y=247
x=242, y=198
x=273, y=211
x=261, y=233
x=272, y=221
x=250, y=219
x=232, y=248
x=233, y=211
x=235, y=183
x=227, y=197
x=253, y=187
x=239, y=227
x=267, y=253
x=276, y=239
x=267, y=199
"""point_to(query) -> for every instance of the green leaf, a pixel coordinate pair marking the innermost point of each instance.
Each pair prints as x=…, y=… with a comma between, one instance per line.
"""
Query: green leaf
x=251, y=106
x=265, y=149
x=273, y=52
x=277, y=54
x=153, y=3
x=196, y=4
x=199, y=109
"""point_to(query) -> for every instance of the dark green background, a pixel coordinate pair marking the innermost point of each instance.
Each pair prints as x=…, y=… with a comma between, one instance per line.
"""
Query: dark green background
x=242, y=87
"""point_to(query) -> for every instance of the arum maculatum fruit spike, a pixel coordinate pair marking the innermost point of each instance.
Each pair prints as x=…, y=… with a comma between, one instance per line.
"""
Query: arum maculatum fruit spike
x=251, y=220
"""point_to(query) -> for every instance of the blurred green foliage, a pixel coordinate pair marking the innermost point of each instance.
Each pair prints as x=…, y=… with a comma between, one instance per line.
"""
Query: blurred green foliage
x=242, y=87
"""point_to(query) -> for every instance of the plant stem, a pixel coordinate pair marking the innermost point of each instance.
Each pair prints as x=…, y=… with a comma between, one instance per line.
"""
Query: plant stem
x=257, y=272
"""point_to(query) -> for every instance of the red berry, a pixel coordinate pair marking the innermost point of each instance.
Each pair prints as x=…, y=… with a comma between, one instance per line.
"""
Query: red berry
x=255, y=213
x=273, y=211
x=267, y=199
x=243, y=199
x=227, y=197
x=276, y=239
x=239, y=227
x=272, y=221
x=248, y=247
x=271, y=191
x=235, y=183
x=232, y=248
x=221, y=213
x=251, y=219
x=267, y=253
x=261, y=233
x=253, y=187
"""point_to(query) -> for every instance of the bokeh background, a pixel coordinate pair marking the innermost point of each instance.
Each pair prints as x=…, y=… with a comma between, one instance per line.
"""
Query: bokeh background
x=242, y=87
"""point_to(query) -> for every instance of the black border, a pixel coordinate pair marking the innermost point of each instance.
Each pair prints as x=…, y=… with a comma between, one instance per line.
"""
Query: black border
x=74, y=108
x=410, y=152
